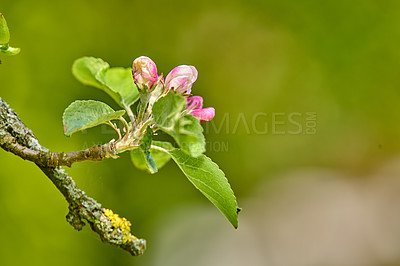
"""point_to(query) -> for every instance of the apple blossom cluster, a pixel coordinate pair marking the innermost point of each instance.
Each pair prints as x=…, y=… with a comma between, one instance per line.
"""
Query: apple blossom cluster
x=162, y=104
x=154, y=104
x=180, y=80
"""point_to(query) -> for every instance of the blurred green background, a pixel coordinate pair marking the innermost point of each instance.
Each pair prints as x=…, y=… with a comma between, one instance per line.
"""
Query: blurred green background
x=294, y=83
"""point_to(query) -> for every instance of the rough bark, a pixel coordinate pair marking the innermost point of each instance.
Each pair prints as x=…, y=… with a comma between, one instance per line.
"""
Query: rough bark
x=18, y=139
x=50, y=159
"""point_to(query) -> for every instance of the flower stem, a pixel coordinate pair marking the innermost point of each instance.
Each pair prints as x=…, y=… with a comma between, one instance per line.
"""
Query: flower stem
x=130, y=114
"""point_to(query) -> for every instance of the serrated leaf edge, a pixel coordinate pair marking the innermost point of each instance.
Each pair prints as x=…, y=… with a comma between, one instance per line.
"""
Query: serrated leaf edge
x=235, y=222
x=120, y=112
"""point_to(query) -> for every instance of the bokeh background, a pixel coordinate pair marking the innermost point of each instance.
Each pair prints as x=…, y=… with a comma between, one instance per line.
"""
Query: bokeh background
x=306, y=130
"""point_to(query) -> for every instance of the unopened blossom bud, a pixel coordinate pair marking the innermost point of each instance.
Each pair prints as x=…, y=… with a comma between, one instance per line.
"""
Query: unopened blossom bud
x=205, y=114
x=181, y=79
x=144, y=72
x=194, y=102
x=194, y=105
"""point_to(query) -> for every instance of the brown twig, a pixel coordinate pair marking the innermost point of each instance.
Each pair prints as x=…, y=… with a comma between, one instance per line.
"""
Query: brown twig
x=52, y=159
x=15, y=137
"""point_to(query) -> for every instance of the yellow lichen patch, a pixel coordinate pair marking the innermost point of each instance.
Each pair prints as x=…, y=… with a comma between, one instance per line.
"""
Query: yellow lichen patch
x=122, y=223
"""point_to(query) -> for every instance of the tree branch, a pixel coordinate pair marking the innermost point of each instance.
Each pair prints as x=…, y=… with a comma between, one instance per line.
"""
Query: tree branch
x=51, y=159
x=15, y=137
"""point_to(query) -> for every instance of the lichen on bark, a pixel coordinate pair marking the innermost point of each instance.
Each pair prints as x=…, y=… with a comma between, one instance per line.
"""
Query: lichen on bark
x=15, y=137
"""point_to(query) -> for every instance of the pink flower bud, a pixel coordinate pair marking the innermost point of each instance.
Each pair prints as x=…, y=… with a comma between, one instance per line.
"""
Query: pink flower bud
x=144, y=72
x=194, y=105
x=181, y=78
x=194, y=102
x=205, y=114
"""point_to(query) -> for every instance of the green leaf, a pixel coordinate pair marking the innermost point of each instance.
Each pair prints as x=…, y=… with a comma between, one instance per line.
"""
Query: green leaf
x=4, y=31
x=85, y=69
x=188, y=134
x=145, y=147
x=167, y=110
x=160, y=157
x=117, y=82
x=206, y=176
x=5, y=38
x=139, y=160
x=81, y=115
x=186, y=130
x=10, y=50
x=121, y=85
